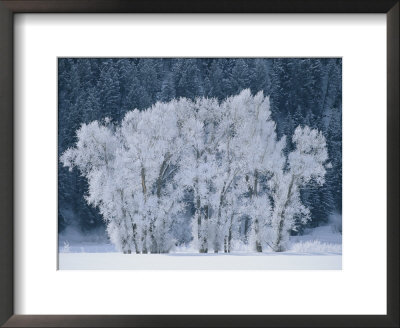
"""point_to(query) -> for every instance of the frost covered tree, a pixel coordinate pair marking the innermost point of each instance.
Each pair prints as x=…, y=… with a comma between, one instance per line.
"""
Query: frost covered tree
x=229, y=165
x=150, y=149
x=129, y=172
x=199, y=123
x=262, y=155
x=94, y=156
x=307, y=163
x=248, y=150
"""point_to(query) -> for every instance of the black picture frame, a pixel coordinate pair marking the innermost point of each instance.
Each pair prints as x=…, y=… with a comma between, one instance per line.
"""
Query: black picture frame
x=10, y=7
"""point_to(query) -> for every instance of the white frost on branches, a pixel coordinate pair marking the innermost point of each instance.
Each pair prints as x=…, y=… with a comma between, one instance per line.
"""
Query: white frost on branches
x=227, y=156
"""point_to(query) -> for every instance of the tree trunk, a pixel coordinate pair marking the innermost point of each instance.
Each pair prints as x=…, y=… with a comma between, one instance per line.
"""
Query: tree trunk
x=134, y=236
x=256, y=222
x=255, y=183
x=229, y=243
x=257, y=235
x=161, y=174
x=198, y=214
x=153, y=246
x=217, y=245
x=144, y=247
x=143, y=174
x=277, y=247
x=144, y=190
x=204, y=241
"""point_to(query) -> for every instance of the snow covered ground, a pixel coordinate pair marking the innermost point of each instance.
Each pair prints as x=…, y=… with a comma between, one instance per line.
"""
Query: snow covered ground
x=195, y=261
x=317, y=249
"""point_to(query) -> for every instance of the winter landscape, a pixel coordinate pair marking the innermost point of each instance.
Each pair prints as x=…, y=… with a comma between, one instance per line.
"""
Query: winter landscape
x=200, y=163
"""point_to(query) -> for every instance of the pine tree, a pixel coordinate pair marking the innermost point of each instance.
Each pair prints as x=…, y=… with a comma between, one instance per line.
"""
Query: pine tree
x=215, y=80
x=259, y=76
x=147, y=75
x=167, y=89
x=187, y=78
x=240, y=77
x=109, y=91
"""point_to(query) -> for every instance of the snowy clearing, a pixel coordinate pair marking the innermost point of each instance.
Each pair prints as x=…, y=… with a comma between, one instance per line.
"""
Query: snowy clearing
x=185, y=261
x=318, y=249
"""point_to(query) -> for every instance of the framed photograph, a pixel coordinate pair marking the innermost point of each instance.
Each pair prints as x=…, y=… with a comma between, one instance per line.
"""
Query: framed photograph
x=188, y=159
x=199, y=164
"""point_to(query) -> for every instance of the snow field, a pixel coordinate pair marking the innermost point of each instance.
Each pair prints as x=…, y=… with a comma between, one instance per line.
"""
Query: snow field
x=191, y=261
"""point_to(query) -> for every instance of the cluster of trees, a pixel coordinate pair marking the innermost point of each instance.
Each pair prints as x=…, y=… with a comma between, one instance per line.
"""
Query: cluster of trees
x=303, y=91
x=225, y=155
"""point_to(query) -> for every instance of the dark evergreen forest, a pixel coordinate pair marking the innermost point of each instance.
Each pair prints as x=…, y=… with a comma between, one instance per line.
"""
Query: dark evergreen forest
x=302, y=91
